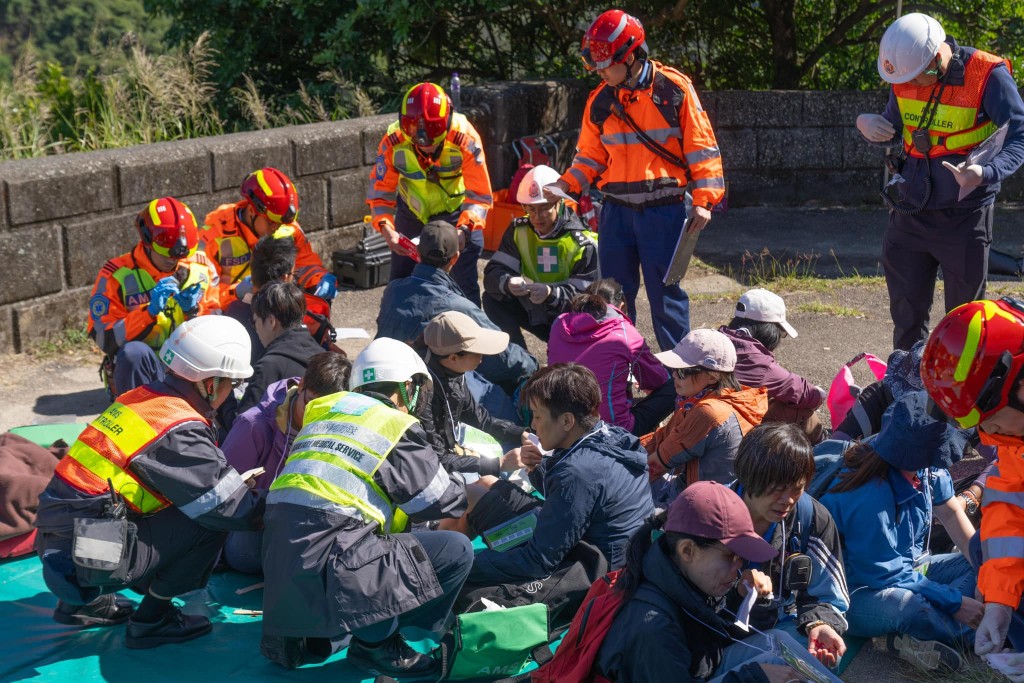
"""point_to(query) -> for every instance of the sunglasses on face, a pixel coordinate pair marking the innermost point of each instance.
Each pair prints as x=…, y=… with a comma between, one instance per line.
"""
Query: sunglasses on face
x=936, y=69
x=683, y=373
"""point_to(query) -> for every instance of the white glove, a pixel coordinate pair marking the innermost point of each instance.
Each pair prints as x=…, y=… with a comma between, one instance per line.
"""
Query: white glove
x=1010, y=664
x=875, y=127
x=517, y=286
x=966, y=176
x=992, y=630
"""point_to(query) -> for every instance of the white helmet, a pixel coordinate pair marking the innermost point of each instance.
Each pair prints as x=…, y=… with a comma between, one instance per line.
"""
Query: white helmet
x=531, y=187
x=388, y=360
x=208, y=346
x=908, y=46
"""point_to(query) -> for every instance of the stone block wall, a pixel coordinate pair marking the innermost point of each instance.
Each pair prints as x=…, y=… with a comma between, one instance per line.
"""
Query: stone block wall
x=61, y=217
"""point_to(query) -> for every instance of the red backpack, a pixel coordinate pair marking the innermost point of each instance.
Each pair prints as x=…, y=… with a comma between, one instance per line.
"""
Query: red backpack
x=574, y=658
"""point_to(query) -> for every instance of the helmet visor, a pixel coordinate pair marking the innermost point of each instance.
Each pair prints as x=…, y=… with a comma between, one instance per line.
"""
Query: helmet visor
x=990, y=398
x=596, y=55
x=423, y=131
x=172, y=244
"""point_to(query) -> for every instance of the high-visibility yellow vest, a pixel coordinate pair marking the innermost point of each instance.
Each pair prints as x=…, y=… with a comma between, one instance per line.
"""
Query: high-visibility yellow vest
x=549, y=260
x=100, y=456
x=955, y=127
x=344, y=440
x=442, y=192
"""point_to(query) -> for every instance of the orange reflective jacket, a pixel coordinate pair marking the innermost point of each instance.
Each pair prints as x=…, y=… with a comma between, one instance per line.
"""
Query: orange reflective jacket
x=102, y=455
x=1001, y=578
x=228, y=243
x=668, y=111
x=959, y=122
x=456, y=180
x=119, y=306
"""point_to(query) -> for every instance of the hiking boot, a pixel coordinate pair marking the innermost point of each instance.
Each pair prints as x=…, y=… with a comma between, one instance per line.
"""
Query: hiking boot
x=927, y=655
x=393, y=656
x=175, y=627
x=287, y=652
x=106, y=610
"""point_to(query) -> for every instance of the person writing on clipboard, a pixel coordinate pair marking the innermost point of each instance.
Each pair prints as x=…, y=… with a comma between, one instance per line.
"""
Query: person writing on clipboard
x=646, y=135
x=946, y=102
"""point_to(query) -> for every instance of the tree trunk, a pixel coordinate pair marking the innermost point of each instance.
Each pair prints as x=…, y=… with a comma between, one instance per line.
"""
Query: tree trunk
x=782, y=26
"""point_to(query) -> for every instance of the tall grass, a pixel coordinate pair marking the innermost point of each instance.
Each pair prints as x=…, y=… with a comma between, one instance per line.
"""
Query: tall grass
x=137, y=98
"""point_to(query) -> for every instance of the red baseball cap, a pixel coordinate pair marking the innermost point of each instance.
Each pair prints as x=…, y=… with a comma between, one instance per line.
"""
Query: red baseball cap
x=711, y=510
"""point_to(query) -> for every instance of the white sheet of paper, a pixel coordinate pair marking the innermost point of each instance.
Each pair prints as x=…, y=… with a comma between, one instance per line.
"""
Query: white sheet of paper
x=555, y=191
x=743, y=614
x=351, y=333
x=998, y=661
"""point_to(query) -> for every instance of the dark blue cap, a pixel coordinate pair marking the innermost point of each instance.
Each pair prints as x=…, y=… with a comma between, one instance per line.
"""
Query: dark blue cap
x=911, y=439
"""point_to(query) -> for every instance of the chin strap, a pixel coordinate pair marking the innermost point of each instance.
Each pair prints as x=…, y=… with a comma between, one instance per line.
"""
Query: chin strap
x=409, y=405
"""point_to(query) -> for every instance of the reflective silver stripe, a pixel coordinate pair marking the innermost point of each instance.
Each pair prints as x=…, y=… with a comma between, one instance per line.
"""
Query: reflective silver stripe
x=476, y=209
x=996, y=496
x=641, y=197
x=306, y=499
x=506, y=260
x=580, y=178
x=717, y=183
x=475, y=150
x=1003, y=546
x=380, y=194
x=98, y=549
x=430, y=495
x=358, y=433
x=703, y=155
x=589, y=163
x=618, y=29
x=225, y=488
x=120, y=336
x=579, y=283
x=482, y=198
x=659, y=135
x=382, y=211
x=343, y=479
x=358, y=458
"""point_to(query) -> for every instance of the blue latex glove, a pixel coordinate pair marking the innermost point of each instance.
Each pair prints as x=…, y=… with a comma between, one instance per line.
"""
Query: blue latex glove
x=244, y=288
x=159, y=295
x=328, y=288
x=189, y=297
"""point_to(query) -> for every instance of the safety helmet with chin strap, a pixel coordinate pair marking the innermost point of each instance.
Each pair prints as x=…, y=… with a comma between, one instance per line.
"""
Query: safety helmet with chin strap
x=208, y=346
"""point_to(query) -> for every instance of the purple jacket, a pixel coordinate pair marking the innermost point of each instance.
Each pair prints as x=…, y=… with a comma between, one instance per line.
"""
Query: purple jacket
x=610, y=348
x=256, y=438
x=757, y=367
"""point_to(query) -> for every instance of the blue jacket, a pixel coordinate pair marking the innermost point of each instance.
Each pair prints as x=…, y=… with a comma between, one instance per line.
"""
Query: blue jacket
x=884, y=527
x=1001, y=103
x=408, y=305
x=596, y=491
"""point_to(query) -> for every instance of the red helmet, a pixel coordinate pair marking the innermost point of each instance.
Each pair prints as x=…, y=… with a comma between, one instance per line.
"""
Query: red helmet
x=168, y=227
x=426, y=114
x=973, y=359
x=271, y=194
x=610, y=39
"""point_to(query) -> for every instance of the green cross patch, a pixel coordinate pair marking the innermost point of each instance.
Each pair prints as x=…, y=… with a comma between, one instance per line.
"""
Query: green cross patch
x=547, y=259
x=168, y=356
x=369, y=375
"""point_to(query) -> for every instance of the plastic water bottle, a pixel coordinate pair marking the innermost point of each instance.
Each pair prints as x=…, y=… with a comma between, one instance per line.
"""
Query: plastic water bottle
x=456, y=91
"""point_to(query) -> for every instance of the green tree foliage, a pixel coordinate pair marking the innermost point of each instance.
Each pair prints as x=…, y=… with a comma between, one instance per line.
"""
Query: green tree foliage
x=74, y=33
x=383, y=45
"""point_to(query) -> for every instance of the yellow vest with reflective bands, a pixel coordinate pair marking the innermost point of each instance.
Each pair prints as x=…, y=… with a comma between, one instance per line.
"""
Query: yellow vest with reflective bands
x=344, y=440
x=424, y=197
x=548, y=261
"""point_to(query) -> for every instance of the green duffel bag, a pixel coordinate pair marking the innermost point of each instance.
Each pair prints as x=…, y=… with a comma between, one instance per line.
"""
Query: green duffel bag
x=495, y=643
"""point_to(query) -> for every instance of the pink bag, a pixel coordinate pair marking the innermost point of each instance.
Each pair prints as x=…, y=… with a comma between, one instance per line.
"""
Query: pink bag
x=843, y=392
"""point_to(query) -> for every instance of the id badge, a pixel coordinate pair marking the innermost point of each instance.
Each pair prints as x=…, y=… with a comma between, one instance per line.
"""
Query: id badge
x=922, y=562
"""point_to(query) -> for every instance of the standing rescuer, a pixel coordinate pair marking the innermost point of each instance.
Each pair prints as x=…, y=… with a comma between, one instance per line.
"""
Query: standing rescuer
x=645, y=134
x=945, y=100
x=144, y=498
x=430, y=166
x=973, y=369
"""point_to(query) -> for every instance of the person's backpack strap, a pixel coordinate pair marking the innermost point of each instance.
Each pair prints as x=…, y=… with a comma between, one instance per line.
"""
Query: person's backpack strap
x=863, y=421
x=805, y=518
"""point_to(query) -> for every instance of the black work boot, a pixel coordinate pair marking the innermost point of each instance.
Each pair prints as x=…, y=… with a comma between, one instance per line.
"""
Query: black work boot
x=106, y=610
x=393, y=656
x=174, y=627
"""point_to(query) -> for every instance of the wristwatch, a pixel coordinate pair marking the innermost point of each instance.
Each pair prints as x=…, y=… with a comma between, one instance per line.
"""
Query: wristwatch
x=970, y=501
